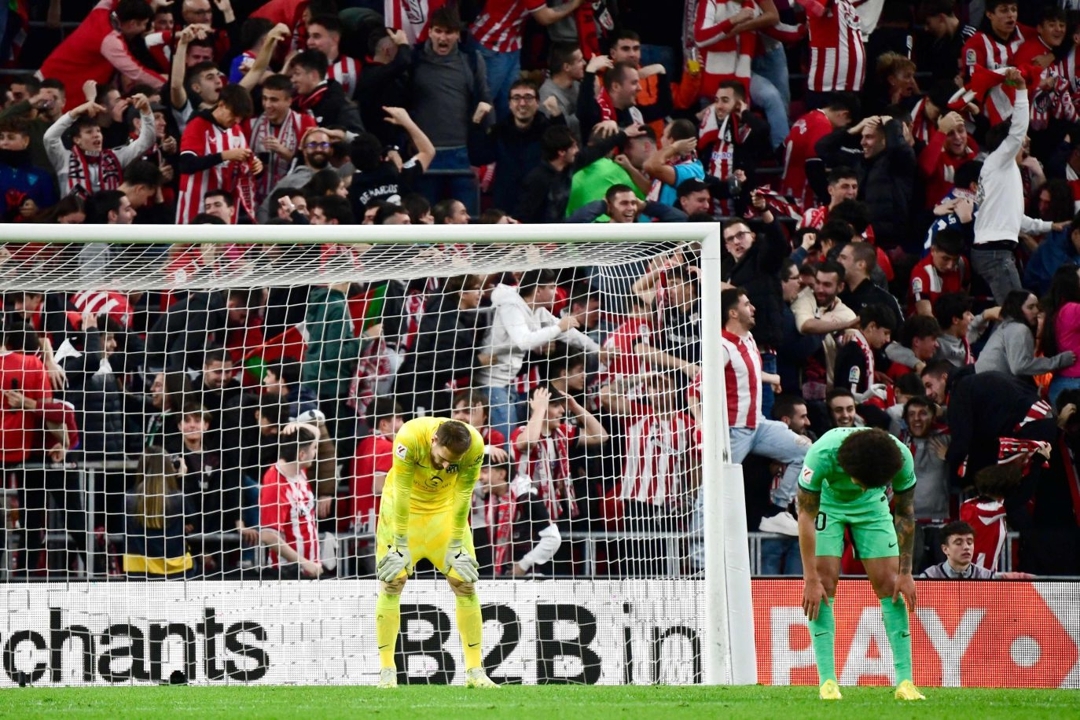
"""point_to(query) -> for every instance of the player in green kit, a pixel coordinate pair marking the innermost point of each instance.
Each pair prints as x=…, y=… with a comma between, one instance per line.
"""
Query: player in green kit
x=842, y=486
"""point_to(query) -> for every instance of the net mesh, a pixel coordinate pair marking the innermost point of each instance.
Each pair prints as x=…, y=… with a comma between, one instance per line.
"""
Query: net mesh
x=163, y=392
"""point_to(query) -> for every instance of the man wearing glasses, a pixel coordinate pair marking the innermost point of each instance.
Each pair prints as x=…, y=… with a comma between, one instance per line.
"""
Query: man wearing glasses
x=515, y=141
x=315, y=146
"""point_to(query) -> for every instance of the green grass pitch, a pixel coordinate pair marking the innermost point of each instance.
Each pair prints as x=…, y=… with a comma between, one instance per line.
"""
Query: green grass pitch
x=551, y=702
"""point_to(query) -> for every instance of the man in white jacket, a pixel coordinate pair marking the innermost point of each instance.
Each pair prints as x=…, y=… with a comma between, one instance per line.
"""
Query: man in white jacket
x=523, y=322
x=1000, y=199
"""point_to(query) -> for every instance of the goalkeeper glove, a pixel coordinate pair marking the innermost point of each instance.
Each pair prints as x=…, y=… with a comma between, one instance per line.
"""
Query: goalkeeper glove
x=458, y=559
x=395, y=560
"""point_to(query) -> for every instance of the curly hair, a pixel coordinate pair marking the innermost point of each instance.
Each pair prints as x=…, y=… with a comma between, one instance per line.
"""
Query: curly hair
x=871, y=457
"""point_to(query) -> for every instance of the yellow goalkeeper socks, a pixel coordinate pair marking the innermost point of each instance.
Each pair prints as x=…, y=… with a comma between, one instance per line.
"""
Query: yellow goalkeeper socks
x=387, y=627
x=471, y=626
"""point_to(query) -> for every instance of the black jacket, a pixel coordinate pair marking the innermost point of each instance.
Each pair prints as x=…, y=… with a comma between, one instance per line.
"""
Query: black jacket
x=445, y=349
x=544, y=195
x=886, y=182
x=334, y=109
x=516, y=153
x=384, y=86
x=179, y=337
x=545, y=192
x=99, y=396
x=984, y=407
x=758, y=271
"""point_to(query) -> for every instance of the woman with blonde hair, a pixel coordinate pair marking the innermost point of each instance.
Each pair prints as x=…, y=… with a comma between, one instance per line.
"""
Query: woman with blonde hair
x=156, y=512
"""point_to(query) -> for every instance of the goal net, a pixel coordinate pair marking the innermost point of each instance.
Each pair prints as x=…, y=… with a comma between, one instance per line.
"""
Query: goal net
x=165, y=521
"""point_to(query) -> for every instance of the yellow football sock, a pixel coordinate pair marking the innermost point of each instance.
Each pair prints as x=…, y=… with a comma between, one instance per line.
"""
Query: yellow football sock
x=388, y=626
x=471, y=626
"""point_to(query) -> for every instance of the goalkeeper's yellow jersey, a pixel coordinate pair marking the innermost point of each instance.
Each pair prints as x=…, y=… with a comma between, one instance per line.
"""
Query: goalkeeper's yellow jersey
x=414, y=487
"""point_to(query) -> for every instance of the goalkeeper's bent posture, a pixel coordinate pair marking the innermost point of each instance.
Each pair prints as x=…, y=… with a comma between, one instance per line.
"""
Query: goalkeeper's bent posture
x=425, y=514
x=842, y=486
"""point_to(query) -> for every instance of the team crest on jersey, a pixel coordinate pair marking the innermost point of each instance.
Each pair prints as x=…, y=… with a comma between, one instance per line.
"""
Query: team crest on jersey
x=853, y=375
x=452, y=468
x=401, y=451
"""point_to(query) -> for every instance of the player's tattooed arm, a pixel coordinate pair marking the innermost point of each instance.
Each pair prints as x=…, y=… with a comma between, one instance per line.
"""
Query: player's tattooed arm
x=814, y=593
x=904, y=519
x=808, y=502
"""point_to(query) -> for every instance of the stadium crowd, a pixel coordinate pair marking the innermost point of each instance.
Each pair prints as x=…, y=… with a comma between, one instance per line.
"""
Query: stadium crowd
x=898, y=187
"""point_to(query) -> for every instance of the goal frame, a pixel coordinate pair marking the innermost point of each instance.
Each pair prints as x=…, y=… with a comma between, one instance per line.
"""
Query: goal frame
x=729, y=649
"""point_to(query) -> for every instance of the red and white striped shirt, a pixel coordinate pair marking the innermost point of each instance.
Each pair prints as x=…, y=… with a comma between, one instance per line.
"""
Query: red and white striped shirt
x=346, y=71
x=204, y=137
x=927, y=283
x=921, y=127
x=547, y=465
x=742, y=377
x=660, y=453
x=289, y=133
x=987, y=516
x=724, y=56
x=1069, y=67
x=498, y=28
x=100, y=302
x=411, y=16
x=987, y=50
x=286, y=504
x=837, y=50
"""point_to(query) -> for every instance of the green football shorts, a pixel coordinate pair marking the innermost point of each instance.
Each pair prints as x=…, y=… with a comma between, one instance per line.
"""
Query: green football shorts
x=871, y=526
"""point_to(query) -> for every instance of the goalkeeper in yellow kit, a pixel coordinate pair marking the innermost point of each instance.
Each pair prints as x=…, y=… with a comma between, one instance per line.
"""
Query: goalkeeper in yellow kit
x=425, y=514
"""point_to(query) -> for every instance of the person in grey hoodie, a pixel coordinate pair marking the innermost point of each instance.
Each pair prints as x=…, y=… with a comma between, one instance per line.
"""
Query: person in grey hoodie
x=522, y=322
x=1011, y=349
x=450, y=96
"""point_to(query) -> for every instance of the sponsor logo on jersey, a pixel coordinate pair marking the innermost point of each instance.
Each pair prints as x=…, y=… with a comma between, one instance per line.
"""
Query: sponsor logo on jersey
x=853, y=375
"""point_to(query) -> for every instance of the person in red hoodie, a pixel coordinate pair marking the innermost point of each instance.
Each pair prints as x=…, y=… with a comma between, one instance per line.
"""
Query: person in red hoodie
x=23, y=384
x=21, y=371
x=98, y=50
x=45, y=476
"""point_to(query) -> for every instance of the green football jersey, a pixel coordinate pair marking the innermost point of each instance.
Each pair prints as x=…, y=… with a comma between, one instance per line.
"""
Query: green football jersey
x=822, y=473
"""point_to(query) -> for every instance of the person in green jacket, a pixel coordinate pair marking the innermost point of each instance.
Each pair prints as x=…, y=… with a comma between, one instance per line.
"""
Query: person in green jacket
x=331, y=356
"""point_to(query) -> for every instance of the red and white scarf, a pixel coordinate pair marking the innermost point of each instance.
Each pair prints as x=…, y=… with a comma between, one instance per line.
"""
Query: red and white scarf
x=276, y=167
x=80, y=180
x=305, y=103
x=547, y=464
x=499, y=513
x=718, y=141
x=244, y=186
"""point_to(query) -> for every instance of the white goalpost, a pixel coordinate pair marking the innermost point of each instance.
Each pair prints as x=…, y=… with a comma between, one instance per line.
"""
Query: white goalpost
x=144, y=536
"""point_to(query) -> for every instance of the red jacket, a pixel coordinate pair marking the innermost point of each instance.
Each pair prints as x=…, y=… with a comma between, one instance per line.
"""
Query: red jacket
x=95, y=51
x=63, y=430
x=18, y=427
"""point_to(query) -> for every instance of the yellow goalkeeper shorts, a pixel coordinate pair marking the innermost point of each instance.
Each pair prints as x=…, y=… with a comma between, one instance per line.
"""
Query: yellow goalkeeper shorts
x=429, y=537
